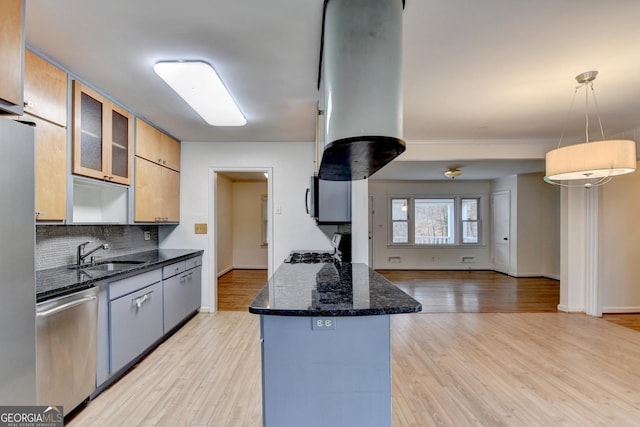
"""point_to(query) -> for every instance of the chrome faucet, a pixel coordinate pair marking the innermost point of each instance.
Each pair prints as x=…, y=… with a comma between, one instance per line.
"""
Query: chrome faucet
x=82, y=255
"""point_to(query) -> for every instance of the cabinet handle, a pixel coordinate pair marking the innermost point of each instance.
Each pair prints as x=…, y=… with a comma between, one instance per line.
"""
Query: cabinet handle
x=159, y=159
x=29, y=103
x=141, y=299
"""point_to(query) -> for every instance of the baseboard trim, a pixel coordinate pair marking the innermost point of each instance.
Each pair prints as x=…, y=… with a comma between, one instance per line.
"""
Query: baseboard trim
x=620, y=310
x=546, y=276
x=440, y=268
x=568, y=309
x=225, y=271
x=249, y=267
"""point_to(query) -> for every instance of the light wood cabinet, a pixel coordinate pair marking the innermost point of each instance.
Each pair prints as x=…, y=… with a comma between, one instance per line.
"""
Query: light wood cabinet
x=157, y=193
x=11, y=55
x=45, y=89
x=102, y=134
x=156, y=146
x=157, y=189
x=51, y=170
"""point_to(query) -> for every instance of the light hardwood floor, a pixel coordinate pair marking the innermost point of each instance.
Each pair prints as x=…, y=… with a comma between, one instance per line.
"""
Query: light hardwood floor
x=448, y=369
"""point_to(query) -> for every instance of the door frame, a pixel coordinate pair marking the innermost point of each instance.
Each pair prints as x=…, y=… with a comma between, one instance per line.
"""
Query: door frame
x=493, y=230
x=213, y=235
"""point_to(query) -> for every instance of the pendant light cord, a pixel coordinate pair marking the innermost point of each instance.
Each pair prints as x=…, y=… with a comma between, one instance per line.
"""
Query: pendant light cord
x=586, y=111
x=566, y=119
x=595, y=103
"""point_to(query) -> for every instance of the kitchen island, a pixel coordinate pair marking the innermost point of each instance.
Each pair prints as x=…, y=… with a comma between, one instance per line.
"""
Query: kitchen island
x=326, y=345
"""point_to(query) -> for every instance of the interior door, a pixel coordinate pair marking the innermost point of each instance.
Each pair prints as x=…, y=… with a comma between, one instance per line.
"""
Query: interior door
x=501, y=219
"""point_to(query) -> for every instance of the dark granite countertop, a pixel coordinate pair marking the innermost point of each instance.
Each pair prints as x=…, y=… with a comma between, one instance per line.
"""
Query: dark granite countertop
x=341, y=289
x=60, y=281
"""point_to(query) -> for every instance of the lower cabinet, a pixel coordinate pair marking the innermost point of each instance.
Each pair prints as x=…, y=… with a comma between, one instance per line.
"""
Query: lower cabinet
x=181, y=283
x=137, y=312
x=135, y=308
x=136, y=323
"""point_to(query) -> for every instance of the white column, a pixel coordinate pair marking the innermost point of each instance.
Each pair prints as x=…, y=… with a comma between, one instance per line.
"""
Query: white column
x=593, y=301
x=360, y=221
x=579, y=284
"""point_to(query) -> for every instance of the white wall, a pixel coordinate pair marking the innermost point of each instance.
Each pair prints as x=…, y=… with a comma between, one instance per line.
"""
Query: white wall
x=291, y=164
x=619, y=244
x=224, y=224
x=538, y=227
x=427, y=258
x=248, y=249
x=534, y=225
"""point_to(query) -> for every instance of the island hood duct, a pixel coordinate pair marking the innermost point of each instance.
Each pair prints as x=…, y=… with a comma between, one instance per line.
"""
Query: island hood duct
x=360, y=85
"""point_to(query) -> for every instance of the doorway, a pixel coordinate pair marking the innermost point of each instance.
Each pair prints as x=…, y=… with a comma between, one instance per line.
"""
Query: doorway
x=500, y=226
x=241, y=215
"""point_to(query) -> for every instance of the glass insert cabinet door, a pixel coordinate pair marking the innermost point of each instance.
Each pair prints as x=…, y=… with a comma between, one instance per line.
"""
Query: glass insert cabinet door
x=101, y=137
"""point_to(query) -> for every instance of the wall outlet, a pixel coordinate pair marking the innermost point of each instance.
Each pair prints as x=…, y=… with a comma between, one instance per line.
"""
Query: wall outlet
x=201, y=229
x=323, y=323
x=147, y=235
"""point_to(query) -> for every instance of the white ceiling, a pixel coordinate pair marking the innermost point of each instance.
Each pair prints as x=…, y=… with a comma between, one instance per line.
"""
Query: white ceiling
x=473, y=70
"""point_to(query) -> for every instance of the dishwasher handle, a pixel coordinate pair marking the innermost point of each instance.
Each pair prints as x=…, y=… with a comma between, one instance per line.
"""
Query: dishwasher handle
x=66, y=306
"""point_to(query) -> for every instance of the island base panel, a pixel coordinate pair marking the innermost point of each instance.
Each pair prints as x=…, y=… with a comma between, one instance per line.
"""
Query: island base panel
x=326, y=374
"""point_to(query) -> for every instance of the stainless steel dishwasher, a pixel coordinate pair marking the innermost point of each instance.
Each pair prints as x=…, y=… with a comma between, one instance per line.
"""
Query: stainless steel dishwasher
x=66, y=349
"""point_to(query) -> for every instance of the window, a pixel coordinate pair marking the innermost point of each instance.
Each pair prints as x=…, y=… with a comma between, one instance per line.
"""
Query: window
x=469, y=219
x=435, y=221
x=400, y=220
x=265, y=220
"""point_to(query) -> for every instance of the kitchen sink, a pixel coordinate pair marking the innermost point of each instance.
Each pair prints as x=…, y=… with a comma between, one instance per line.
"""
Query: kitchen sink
x=112, y=266
x=107, y=266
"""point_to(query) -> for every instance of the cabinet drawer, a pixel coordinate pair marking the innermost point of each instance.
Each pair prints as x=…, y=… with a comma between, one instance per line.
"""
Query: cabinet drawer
x=133, y=283
x=136, y=323
x=193, y=262
x=173, y=269
x=181, y=297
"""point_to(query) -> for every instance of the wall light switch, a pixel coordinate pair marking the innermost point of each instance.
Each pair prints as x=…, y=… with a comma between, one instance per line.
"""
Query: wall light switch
x=201, y=228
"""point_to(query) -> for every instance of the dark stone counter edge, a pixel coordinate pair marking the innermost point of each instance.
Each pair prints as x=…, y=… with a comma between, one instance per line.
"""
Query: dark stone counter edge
x=77, y=286
x=337, y=312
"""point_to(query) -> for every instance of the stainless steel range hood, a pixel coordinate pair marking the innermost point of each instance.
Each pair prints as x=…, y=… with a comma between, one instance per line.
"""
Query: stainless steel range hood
x=360, y=87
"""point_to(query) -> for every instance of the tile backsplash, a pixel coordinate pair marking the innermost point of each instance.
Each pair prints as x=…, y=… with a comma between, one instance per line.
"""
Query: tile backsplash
x=56, y=245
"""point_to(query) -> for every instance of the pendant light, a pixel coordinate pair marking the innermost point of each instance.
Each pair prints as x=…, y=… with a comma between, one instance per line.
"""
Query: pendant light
x=589, y=164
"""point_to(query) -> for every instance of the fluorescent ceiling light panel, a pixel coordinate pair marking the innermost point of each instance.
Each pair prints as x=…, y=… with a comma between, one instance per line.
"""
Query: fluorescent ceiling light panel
x=199, y=85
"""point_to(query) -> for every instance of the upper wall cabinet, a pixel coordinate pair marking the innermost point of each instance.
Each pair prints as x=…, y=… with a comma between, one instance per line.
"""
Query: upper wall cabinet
x=11, y=55
x=45, y=89
x=156, y=146
x=157, y=189
x=101, y=137
x=51, y=170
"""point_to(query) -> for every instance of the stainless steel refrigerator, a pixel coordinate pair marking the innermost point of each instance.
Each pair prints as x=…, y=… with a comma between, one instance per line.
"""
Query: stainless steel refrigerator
x=17, y=264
